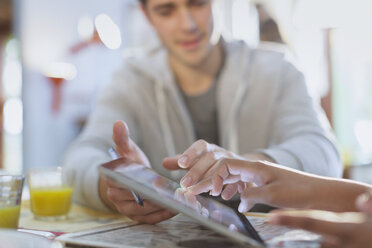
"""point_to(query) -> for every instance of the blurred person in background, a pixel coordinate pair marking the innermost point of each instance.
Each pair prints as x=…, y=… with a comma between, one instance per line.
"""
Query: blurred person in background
x=202, y=98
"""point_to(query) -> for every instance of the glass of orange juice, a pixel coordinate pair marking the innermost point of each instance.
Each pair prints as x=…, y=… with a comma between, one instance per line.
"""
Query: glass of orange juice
x=10, y=200
x=50, y=192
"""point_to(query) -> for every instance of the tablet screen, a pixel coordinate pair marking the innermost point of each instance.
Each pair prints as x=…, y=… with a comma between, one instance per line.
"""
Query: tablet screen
x=169, y=194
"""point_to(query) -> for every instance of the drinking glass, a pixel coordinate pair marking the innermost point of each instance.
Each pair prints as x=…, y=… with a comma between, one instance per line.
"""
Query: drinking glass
x=51, y=192
x=10, y=200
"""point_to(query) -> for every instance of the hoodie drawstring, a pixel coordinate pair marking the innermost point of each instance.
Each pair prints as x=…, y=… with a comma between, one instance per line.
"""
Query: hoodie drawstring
x=232, y=122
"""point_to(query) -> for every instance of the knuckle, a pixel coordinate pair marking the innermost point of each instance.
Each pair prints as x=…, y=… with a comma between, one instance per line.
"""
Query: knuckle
x=210, y=155
x=222, y=166
x=223, y=161
x=112, y=195
x=191, y=152
x=202, y=144
x=229, y=154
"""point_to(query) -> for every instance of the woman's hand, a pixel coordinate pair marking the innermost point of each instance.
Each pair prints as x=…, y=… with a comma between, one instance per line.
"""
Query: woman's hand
x=258, y=182
x=199, y=159
x=279, y=186
x=335, y=234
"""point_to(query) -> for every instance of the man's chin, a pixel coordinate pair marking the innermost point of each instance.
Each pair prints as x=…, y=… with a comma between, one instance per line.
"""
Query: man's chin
x=189, y=59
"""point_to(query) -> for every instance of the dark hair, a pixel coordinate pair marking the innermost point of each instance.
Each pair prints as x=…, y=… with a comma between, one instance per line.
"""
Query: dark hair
x=143, y=1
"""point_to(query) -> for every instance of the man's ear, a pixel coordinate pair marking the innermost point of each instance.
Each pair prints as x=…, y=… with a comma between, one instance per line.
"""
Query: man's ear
x=145, y=13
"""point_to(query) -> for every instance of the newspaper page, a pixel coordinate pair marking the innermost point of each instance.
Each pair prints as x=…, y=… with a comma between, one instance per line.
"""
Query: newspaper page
x=182, y=231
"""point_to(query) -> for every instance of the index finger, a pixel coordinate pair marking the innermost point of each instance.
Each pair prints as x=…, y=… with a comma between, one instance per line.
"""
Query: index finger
x=192, y=153
x=201, y=187
x=171, y=163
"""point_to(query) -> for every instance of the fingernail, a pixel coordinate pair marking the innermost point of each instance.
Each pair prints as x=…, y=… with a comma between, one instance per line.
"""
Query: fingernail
x=227, y=191
x=362, y=198
x=241, y=208
x=223, y=196
x=186, y=182
x=182, y=162
x=364, y=202
x=365, y=197
x=214, y=193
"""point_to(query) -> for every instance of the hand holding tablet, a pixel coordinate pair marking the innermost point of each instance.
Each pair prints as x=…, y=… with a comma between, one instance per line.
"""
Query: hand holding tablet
x=114, y=155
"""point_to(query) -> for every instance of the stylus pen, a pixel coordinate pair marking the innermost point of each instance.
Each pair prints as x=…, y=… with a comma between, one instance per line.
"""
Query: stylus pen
x=114, y=155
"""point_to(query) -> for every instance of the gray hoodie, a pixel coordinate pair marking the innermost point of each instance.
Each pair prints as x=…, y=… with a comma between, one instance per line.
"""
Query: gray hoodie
x=262, y=103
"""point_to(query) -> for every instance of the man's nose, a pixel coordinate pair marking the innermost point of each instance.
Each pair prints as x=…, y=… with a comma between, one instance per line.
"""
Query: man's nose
x=187, y=21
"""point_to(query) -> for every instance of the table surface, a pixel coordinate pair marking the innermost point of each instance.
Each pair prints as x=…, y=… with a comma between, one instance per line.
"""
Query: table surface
x=79, y=219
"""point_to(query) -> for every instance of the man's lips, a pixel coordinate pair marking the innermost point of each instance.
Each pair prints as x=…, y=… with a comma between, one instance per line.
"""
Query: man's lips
x=190, y=44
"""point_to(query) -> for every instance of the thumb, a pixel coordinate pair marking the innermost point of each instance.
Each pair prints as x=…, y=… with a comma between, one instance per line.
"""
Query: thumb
x=251, y=196
x=121, y=137
x=364, y=202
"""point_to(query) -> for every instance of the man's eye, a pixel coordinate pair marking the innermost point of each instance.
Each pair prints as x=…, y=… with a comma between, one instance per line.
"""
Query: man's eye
x=165, y=13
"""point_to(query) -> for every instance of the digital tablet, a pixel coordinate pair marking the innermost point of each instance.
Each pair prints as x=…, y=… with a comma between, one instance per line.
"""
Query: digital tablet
x=168, y=194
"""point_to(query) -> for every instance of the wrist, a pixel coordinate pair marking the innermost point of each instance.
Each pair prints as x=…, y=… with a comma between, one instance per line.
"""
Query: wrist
x=338, y=194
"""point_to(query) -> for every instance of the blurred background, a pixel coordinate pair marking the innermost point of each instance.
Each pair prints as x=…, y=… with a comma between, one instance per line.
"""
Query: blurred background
x=56, y=55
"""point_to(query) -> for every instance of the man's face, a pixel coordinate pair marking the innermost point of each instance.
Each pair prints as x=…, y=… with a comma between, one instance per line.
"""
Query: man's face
x=184, y=26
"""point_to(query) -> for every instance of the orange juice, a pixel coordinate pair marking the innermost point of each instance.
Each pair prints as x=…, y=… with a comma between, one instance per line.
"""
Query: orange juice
x=51, y=201
x=9, y=216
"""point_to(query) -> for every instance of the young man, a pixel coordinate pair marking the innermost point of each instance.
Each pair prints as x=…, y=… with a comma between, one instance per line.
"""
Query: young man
x=239, y=102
